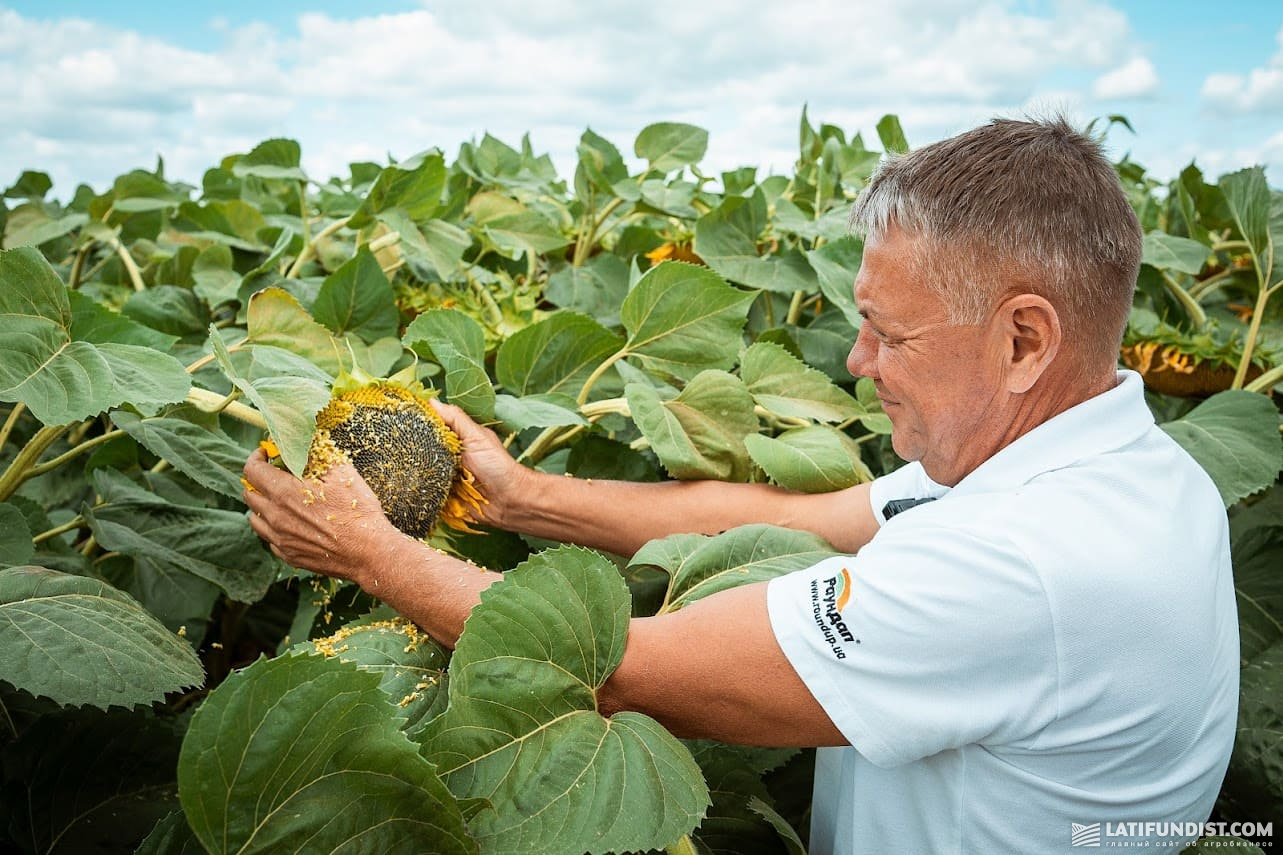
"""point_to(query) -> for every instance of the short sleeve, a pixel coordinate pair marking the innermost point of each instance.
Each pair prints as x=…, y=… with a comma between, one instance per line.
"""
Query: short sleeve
x=927, y=640
x=910, y=481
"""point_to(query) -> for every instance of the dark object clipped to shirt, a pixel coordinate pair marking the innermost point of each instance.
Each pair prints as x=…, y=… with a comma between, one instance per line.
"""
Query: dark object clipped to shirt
x=896, y=506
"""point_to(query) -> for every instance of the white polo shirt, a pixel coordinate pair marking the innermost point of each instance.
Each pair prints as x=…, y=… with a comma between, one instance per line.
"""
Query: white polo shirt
x=1054, y=641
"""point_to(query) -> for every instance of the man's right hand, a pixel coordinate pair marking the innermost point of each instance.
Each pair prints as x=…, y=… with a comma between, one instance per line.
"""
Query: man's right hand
x=499, y=478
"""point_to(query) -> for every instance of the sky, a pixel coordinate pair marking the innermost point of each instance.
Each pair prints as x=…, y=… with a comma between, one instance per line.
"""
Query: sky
x=91, y=90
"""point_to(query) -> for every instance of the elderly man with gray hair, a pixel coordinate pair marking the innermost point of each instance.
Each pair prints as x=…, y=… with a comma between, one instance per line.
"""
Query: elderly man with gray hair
x=1034, y=636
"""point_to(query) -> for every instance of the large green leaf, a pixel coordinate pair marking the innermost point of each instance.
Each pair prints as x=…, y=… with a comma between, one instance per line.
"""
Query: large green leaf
x=144, y=378
x=255, y=362
x=171, y=836
x=836, y=265
x=229, y=223
x=600, y=164
x=183, y=602
x=554, y=355
x=31, y=225
x=80, y=641
x=277, y=319
x=727, y=237
x=15, y=537
x=1258, y=586
x=30, y=185
x=61, y=380
x=831, y=225
x=597, y=289
x=522, y=728
x=815, y=459
x=1254, y=781
x=358, y=298
x=892, y=135
x=668, y=145
x=1248, y=196
x=826, y=348
x=537, y=411
x=289, y=405
x=1169, y=252
x=1234, y=435
x=788, y=836
x=444, y=245
x=681, y=318
x=458, y=344
x=597, y=456
x=274, y=158
x=669, y=197
x=304, y=753
x=732, y=826
x=874, y=419
x=433, y=249
x=168, y=309
x=524, y=233
x=787, y=386
x=216, y=545
x=95, y=323
x=414, y=186
x=700, y=433
x=86, y=781
x=699, y=565
x=411, y=666
x=207, y=456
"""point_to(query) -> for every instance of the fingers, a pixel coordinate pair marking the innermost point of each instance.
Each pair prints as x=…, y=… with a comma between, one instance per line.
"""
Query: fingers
x=474, y=436
x=261, y=474
x=455, y=418
x=261, y=527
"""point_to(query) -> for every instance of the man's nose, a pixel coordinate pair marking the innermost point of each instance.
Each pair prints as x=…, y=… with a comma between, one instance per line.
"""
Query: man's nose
x=862, y=360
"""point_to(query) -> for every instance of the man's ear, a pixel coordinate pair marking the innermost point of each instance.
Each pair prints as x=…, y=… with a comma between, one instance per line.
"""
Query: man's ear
x=1030, y=328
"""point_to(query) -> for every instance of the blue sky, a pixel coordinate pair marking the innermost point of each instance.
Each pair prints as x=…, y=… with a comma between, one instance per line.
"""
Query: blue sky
x=90, y=90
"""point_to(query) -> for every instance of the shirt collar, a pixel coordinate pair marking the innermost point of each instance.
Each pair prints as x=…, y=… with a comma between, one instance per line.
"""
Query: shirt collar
x=1100, y=424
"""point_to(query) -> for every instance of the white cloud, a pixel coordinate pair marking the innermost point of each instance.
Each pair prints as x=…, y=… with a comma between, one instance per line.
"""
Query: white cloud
x=1135, y=78
x=86, y=101
x=1268, y=153
x=1258, y=91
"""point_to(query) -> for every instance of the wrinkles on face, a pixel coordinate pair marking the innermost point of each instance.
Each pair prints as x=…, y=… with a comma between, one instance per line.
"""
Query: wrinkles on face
x=937, y=381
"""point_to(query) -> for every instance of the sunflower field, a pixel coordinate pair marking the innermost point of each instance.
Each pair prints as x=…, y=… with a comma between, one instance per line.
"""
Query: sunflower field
x=167, y=685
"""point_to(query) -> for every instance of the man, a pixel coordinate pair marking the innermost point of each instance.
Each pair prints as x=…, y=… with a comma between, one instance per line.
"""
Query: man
x=1051, y=641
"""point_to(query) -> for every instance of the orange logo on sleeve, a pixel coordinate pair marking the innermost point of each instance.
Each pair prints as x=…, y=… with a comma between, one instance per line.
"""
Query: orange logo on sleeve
x=845, y=595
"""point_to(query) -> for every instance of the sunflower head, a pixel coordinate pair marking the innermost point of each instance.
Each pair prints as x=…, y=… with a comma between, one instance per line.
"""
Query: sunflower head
x=403, y=450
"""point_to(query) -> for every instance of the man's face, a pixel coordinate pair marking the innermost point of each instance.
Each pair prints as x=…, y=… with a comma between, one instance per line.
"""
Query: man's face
x=936, y=380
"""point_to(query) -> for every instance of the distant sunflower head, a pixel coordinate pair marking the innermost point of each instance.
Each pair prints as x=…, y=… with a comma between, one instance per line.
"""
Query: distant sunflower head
x=403, y=450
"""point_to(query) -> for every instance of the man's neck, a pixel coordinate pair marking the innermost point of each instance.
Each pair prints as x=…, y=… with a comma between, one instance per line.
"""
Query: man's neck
x=1009, y=419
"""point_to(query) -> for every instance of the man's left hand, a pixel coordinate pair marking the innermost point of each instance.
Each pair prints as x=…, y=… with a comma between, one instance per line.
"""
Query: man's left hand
x=333, y=525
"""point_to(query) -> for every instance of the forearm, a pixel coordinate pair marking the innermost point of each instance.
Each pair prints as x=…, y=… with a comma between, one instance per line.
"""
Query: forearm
x=620, y=517
x=431, y=588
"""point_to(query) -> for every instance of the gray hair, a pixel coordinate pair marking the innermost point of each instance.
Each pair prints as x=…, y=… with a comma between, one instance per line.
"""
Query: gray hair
x=1015, y=207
